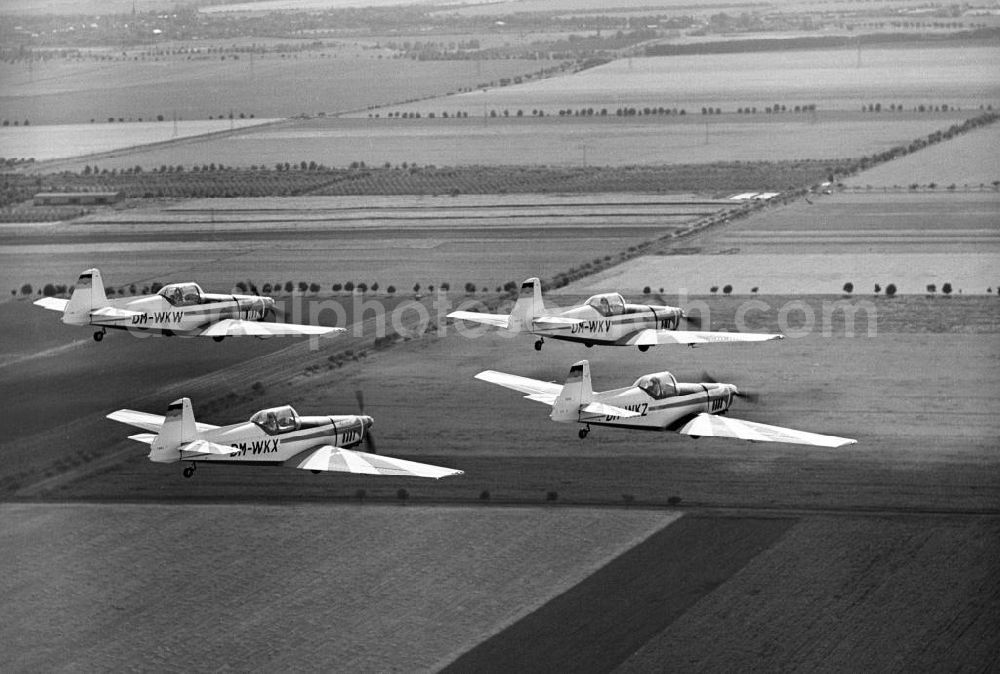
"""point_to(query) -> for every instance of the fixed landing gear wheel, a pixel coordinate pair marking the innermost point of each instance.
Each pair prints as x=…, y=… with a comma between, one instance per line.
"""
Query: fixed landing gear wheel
x=98, y=336
x=589, y=345
x=189, y=471
x=538, y=345
x=583, y=433
x=218, y=338
x=644, y=348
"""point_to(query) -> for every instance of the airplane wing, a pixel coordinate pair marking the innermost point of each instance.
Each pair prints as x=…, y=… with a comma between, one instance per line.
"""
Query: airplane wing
x=147, y=421
x=496, y=320
x=338, y=459
x=651, y=337
x=235, y=327
x=607, y=410
x=712, y=425
x=52, y=303
x=111, y=313
x=554, y=323
x=537, y=390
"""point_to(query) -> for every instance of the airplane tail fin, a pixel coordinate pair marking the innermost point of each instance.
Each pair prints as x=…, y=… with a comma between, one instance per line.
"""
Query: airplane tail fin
x=178, y=429
x=529, y=304
x=88, y=294
x=576, y=392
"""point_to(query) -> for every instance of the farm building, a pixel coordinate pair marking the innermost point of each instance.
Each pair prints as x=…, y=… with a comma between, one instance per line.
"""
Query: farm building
x=76, y=198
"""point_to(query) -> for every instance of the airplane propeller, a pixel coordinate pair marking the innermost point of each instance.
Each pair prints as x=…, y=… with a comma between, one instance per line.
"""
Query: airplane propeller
x=369, y=439
x=746, y=395
x=693, y=321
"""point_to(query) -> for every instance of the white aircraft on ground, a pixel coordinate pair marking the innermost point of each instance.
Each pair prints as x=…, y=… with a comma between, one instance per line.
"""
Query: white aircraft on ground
x=177, y=309
x=272, y=437
x=655, y=402
x=603, y=319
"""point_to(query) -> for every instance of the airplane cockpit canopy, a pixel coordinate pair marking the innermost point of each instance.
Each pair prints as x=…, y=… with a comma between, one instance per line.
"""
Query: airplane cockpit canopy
x=277, y=419
x=659, y=385
x=608, y=304
x=181, y=294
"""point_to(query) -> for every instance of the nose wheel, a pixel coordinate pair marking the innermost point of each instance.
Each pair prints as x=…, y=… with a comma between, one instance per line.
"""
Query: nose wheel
x=189, y=471
x=99, y=335
x=538, y=344
x=644, y=348
x=583, y=432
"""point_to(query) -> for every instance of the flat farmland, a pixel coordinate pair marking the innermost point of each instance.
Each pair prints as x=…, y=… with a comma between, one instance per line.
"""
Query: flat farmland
x=390, y=240
x=816, y=245
x=60, y=141
x=549, y=141
x=268, y=86
x=966, y=161
x=848, y=594
x=279, y=588
x=836, y=79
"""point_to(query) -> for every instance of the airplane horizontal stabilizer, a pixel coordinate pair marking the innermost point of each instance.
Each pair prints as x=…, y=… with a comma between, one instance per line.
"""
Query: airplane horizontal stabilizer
x=234, y=327
x=337, y=459
x=651, y=337
x=206, y=447
x=113, y=313
x=554, y=323
x=146, y=438
x=52, y=303
x=147, y=421
x=496, y=320
x=711, y=425
x=531, y=387
x=607, y=410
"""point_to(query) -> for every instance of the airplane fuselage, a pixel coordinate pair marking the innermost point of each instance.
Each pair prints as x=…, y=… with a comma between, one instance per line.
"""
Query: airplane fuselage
x=255, y=445
x=155, y=314
x=595, y=328
x=661, y=414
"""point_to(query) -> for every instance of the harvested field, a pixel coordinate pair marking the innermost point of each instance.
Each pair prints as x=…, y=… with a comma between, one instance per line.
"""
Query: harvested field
x=552, y=141
x=73, y=140
x=962, y=76
x=803, y=273
x=603, y=620
x=267, y=86
x=848, y=594
x=909, y=238
x=284, y=588
x=967, y=161
x=389, y=240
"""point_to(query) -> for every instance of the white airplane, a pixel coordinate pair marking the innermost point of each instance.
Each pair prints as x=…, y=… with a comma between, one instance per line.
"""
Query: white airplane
x=655, y=402
x=177, y=309
x=272, y=437
x=603, y=319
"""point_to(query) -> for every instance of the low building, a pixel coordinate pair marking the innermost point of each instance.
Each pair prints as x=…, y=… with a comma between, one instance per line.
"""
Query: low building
x=77, y=198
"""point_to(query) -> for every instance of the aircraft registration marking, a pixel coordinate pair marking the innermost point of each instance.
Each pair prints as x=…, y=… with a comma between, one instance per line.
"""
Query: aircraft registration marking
x=158, y=317
x=591, y=326
x=256, y=447
x=637, y=407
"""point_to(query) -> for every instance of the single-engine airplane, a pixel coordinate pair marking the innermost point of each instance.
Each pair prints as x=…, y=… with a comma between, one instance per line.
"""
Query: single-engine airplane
x=603, y=319
x=272, y=437
x=177, y=309
x=655, y=402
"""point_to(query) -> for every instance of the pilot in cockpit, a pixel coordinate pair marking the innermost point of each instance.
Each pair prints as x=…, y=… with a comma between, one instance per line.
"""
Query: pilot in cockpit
x=605, y=307
x=177, y=297
x=271, y=423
